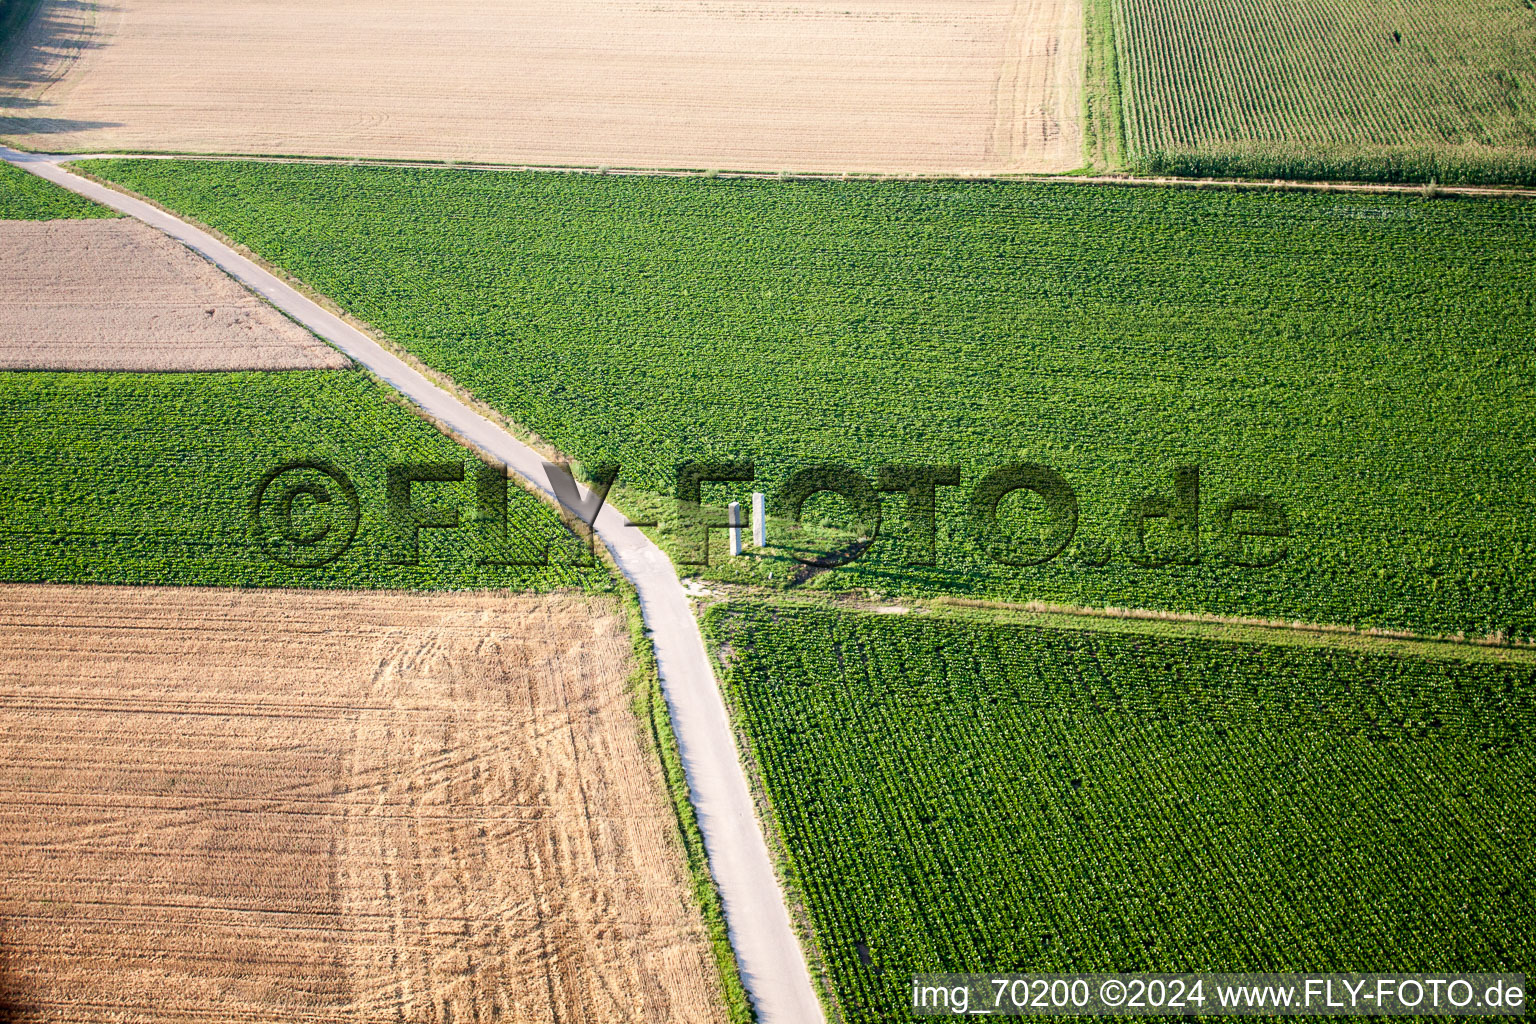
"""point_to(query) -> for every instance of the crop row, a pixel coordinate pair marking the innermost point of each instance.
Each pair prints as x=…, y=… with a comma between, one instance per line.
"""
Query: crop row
x=1361, y=360
x=966, y=796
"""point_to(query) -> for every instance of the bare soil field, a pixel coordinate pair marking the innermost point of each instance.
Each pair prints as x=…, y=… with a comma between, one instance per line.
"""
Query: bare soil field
x=119, y=295
x=929, y=86
x=331, y=806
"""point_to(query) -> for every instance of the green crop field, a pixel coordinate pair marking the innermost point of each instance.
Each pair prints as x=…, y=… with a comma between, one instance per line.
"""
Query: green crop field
x=1363, y=361
x=25, y=196
x=963, y=795
x=1394, y=90
x=151, y=478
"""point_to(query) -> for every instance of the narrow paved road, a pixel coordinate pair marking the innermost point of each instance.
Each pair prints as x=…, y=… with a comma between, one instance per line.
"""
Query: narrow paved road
x=773, y=967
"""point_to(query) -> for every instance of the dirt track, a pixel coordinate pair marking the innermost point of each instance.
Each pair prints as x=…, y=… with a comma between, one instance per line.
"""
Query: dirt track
x=119, y=295
x=938, y=86
x=302, y=805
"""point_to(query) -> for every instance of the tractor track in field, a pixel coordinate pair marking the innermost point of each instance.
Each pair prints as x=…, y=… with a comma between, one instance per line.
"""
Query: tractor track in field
x=773, y=966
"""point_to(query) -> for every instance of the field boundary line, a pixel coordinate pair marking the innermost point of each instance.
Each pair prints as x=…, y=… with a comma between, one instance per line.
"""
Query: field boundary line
x=1228, y=629
x=1279, y=626
x=1141, y=621
x=1124, y=179
x=772, y=965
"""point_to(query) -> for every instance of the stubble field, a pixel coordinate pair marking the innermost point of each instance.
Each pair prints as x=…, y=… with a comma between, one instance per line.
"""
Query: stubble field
x=116, y=294
x=850, y=85
x=331, y=807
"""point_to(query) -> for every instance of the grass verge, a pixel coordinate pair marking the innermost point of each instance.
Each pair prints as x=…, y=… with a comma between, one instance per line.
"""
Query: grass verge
x=1103, y=119
x=1358, y=359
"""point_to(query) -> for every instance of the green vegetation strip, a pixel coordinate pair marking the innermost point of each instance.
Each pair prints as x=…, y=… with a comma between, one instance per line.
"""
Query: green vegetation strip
x=1362, y=360
x=25, y=196
x=1103, y=113
x=150, y=479
x=962, y=795
x=1401, y=90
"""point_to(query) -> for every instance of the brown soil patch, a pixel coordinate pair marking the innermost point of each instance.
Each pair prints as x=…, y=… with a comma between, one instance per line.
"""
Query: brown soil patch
x=326, y=806
x=929, y=86
x=119, y=295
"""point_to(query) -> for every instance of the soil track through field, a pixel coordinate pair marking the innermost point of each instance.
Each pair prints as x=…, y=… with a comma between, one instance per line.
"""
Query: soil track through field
x=773, y=967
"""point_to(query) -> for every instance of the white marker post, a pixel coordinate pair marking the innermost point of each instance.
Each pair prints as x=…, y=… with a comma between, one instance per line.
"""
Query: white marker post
x=735, y=521
x=759, y=520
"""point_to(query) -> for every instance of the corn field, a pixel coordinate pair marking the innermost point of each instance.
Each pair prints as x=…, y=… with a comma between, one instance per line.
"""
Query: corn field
x=1407, y=90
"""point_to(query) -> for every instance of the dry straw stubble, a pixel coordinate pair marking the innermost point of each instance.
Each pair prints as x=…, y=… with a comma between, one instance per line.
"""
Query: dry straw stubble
x=119, y=295
x=304, y=805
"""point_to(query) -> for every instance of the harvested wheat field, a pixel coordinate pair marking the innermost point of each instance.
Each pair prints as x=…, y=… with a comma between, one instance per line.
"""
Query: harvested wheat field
x=938, y=86
x=329, y=806
x=119, y=295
